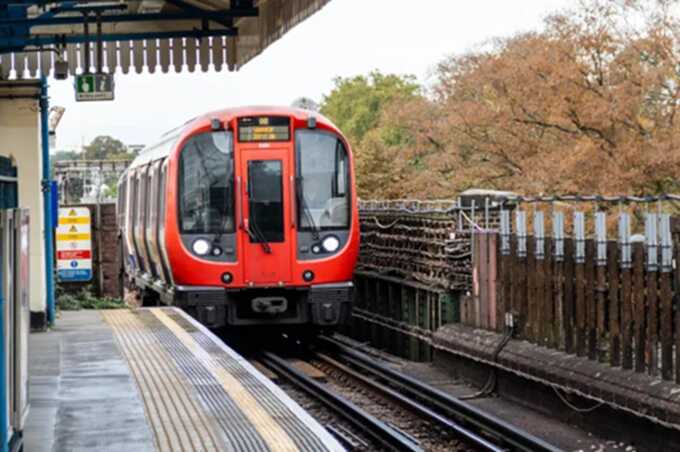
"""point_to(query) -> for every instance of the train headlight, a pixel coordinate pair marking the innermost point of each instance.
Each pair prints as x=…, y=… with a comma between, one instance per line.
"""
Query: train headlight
x=201, y=247
x=331, y=244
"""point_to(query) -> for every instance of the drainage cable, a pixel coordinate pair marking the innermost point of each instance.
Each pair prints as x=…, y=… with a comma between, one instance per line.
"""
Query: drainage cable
x=490, y=385
x=564, y=400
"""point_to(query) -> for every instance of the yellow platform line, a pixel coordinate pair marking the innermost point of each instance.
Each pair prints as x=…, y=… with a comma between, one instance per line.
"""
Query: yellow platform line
x=173, y=391
x=272, y=433
x=176, y=420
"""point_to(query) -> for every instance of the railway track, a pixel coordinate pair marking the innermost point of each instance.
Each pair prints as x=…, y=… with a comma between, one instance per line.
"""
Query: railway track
x=395, y=411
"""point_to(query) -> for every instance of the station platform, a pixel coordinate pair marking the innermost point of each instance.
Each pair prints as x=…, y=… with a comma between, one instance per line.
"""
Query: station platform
x=155, y=380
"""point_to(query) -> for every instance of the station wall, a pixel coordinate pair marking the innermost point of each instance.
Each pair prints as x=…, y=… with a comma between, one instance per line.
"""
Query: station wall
x=20, y=140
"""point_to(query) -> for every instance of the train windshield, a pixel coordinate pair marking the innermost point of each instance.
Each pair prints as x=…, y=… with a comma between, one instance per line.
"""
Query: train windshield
x=206, y=201
x=322, y=166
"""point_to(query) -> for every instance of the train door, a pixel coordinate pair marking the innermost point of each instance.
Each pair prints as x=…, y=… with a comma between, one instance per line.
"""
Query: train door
x=265, y=221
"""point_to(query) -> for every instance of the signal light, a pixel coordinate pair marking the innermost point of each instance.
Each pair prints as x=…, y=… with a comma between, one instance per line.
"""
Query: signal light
x=308, y=275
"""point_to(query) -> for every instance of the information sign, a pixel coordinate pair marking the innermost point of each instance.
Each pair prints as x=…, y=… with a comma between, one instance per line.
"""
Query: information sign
x=74, y=245
x=93, y=87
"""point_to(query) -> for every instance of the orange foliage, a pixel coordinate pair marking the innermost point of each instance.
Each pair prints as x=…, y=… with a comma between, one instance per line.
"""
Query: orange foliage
x=588, y=105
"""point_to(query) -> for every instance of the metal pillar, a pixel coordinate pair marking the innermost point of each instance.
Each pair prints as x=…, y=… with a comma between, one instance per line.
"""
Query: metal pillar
x=4, y=401
x=47, y=199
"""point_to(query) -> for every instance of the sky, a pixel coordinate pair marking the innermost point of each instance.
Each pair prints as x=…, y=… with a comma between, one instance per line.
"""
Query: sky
x=345, y=38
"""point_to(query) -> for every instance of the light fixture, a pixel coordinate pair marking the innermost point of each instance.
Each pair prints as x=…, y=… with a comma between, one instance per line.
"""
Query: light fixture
x=200, y=247
x=331, y=244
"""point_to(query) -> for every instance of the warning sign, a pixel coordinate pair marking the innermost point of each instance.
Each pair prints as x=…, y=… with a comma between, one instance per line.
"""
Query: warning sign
x=74, y=245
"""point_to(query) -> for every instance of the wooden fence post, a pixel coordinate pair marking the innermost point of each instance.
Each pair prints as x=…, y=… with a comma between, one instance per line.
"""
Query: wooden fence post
x=601, y=282
x=580, y=274
x=651, y=239
x=569, y=295
x=666, y=300
x=590, y=301
x=626, y=291
x=614, y=311
x=520, y=281
x=639, y=305
x=558, y=257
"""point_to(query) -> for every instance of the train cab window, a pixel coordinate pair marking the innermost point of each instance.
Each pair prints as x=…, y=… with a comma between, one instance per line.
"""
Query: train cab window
x=206, y=184
x=322, y=166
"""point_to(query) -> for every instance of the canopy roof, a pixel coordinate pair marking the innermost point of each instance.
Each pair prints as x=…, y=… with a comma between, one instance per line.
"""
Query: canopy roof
x=157, y=34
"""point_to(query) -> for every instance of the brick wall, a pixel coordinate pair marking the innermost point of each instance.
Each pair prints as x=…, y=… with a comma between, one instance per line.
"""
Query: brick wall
x=105, y=249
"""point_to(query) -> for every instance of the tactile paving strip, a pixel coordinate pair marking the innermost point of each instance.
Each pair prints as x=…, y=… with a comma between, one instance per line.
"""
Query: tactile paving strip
x=201, y=395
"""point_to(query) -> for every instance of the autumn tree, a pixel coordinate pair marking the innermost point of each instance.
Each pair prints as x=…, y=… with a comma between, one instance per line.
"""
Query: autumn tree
x=587, y=105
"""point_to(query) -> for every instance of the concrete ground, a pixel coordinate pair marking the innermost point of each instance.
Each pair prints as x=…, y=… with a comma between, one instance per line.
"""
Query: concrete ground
x=81, y=393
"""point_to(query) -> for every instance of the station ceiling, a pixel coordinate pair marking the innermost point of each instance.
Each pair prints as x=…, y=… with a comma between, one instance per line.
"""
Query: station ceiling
x=159, y=35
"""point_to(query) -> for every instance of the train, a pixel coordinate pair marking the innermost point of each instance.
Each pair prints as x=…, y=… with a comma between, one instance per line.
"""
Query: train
x=244, y=217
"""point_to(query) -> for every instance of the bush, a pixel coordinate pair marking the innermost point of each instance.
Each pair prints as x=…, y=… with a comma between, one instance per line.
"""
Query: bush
x=85, y=299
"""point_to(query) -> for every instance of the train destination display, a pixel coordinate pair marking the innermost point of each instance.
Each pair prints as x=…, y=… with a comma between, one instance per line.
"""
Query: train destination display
x=263, y=128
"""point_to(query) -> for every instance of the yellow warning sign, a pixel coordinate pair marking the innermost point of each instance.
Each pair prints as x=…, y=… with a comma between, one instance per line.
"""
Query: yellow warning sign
x=74, y=236
x=72, y=213
x=74, y=220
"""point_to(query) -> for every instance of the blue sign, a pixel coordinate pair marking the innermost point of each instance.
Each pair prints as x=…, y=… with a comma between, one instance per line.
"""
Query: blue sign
x=75, y=275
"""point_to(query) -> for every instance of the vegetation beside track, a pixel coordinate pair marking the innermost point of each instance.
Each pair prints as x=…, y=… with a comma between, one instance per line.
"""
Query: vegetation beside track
x=85, y=299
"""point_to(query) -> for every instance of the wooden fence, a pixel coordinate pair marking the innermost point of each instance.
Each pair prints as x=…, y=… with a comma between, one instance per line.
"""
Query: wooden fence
x=617, y=302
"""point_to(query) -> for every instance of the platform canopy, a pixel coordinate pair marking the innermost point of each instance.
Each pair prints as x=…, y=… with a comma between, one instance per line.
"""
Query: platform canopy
x=160, y=35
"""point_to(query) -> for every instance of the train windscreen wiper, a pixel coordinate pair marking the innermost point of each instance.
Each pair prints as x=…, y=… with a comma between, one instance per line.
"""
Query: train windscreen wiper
x=259, y=236
x=307, y=211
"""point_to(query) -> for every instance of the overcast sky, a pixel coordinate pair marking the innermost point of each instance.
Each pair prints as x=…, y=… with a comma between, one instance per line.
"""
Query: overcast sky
x=345, y=38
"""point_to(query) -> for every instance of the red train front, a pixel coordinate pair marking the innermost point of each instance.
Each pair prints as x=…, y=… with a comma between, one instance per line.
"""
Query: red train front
x=244, y=217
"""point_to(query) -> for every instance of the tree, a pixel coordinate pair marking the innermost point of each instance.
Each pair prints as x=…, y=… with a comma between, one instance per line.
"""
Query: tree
x=356, y=104
x=105, y=147
x=587, y=105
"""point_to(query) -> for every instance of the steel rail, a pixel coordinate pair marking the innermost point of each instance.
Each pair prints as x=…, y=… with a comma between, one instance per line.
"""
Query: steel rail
x=418, y=408
x=375, y=428
x=464, y=412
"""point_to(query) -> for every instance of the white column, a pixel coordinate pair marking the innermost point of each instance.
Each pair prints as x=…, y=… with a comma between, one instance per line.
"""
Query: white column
x=20, y=140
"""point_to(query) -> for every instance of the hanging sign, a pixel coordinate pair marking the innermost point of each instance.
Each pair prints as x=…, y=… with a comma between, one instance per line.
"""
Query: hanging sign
x=93, y=87
x=74, y=245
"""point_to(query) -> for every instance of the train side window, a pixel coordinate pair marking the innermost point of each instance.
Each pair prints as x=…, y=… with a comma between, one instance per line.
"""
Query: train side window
x=141, y=207
x=148, y=187
x=161, y=196
x=121, y=201
x=206, y=184
x=132, y=211
x=152, y=197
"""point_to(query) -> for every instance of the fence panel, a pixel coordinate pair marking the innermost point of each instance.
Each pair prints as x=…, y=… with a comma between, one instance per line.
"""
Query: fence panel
x=612, y=301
